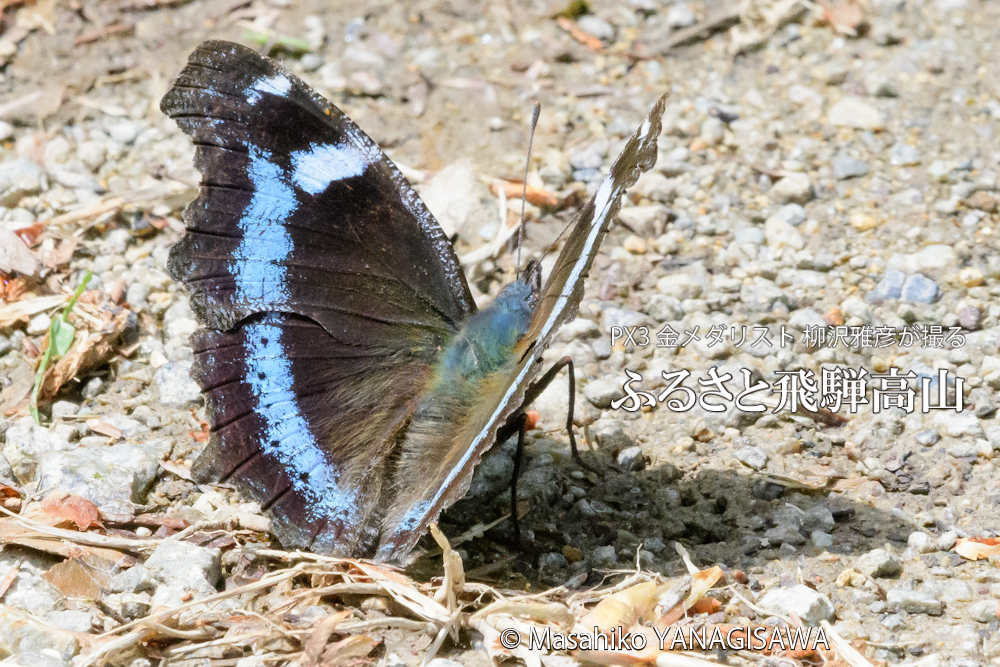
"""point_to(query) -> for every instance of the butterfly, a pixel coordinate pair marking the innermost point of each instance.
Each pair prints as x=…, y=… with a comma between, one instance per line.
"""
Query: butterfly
x=351, y=383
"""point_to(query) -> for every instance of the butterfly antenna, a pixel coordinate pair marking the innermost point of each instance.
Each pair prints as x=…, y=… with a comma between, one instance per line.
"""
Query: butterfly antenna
x=524, y=191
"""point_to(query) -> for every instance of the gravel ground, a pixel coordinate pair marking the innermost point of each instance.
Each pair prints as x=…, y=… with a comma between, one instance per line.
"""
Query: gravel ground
x=818, y=180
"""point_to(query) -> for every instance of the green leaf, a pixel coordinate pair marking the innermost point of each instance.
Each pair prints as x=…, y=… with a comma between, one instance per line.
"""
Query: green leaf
x=62, y=336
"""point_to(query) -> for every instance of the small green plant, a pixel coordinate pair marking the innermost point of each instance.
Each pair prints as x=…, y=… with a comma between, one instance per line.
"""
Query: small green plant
x=61, y=334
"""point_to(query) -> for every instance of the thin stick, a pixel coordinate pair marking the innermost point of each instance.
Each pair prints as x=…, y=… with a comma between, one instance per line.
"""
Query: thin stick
x=524, y=192
x=75, y=537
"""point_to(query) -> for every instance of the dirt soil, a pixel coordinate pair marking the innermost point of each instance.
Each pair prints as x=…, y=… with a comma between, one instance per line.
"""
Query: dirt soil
x=815, y=179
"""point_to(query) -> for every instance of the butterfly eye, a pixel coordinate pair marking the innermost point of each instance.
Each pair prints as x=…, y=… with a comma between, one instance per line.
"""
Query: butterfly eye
x=260, y=376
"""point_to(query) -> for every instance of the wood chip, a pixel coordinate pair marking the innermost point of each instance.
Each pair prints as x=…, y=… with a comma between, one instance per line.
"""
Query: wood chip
x=177, y=469
x=9, y=578
x=25, y=309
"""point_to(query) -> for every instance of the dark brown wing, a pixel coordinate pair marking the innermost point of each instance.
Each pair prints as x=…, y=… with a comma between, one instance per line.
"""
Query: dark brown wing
x=300, y=212
x=304, y=425
x=327, y=288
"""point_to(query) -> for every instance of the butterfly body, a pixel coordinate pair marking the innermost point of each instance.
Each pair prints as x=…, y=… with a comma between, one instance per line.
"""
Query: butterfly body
x=351, y=383
x=486, y=342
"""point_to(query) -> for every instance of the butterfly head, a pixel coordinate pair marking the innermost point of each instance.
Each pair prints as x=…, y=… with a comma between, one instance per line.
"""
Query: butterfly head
x=522, y=294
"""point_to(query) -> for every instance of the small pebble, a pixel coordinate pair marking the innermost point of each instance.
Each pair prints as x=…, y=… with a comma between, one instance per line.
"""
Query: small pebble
x=914, y=602
x=856, y=113
x=845, y=167
x=752, y=457
x=879, y=563
x=680, y=15
x=904, y=155
x=890, y=286
x=918, y=289
x=793, y=188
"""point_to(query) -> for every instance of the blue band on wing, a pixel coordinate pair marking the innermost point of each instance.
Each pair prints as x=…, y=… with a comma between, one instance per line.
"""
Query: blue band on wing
x=288, y=437
x=258, y=263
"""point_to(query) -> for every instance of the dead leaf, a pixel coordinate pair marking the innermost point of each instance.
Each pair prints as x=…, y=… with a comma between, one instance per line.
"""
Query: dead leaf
x=15, y=255
x=12, y=289
x=348, y=651
x=623, y=609
x=81, y=577
x=71, y=507
x=90, y=350
x=850, y=483
x=22, y=378
x=104, y=428
x=977, y=548
x=12, y=533
x=31, y=233
x=321, y=635
x=702, y=606
x=62, y=254
x=819, y=470
x=701, y=583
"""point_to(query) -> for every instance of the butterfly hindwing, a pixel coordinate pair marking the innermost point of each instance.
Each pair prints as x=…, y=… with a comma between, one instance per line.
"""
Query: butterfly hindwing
x=447, y=475
x=285, y=401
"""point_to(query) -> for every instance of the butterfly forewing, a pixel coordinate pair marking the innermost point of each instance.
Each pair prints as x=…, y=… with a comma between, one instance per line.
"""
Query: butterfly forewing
x=446, y=476
x=299, y=211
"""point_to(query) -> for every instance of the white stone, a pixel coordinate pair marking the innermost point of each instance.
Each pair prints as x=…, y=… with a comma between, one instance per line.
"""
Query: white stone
x=920, y=542
x=680, y=15
x=186, y=566
x=793, y=188
x=809, y=605
x=929, y=258
x=855, y=112
x=780, y=234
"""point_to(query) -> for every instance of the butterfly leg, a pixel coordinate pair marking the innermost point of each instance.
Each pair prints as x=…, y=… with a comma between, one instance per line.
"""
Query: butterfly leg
x=521, y=422
x=535, y=390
